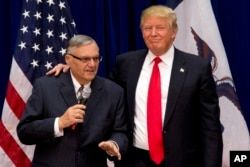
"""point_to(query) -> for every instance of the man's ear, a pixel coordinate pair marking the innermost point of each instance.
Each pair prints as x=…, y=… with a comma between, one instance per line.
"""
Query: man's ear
x=66, y=57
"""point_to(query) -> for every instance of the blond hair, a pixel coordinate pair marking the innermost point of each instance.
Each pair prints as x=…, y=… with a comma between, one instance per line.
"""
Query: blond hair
x=160, y=11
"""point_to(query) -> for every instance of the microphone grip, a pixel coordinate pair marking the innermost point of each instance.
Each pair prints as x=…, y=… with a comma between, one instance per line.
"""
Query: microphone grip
x=81, y=101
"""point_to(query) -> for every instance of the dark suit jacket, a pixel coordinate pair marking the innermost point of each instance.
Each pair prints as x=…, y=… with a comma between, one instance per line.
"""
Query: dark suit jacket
x=104, y=120
x=192, y=131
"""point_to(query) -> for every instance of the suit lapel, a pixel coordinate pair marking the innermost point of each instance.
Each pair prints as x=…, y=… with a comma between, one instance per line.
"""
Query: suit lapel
x=67, y=89
x=96, y=94
x=178, y=75
x=134, y=70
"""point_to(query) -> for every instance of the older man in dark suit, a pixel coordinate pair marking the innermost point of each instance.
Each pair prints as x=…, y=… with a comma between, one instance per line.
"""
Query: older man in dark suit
x=67, y=134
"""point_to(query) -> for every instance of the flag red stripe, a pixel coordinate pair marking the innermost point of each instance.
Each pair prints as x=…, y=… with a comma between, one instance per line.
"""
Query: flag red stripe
x=15, y=102
x=12, y=149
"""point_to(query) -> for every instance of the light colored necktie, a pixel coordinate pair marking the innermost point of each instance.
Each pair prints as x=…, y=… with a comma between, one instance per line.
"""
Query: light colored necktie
x=154, y=120
x=79, y=93
x=79, y=97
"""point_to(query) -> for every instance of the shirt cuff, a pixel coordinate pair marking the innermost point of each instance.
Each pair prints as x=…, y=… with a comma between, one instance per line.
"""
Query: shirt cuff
x=57, y=131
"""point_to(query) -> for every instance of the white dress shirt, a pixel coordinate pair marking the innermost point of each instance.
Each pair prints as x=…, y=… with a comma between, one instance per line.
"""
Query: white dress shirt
x=140, y=118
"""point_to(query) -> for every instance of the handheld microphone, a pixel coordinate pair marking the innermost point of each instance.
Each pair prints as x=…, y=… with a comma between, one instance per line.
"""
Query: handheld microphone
x=84, y=96
x=83, y=99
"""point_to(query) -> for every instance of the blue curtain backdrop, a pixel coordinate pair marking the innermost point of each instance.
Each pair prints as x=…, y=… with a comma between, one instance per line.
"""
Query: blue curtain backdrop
x=115, y=26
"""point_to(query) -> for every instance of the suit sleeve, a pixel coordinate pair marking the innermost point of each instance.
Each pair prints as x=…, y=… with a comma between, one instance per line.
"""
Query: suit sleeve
x=33, y=128
x=120, y=126
x=211, y=127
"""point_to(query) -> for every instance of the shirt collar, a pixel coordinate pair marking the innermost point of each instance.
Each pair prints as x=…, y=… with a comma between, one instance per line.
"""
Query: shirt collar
x=76, y=84
x=166, y=57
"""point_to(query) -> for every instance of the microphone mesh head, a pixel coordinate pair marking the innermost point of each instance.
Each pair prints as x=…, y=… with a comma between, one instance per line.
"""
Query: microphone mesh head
x=86, y=92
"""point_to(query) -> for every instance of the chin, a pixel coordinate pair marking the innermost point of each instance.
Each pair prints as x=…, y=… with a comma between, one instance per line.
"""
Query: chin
x=90, y=77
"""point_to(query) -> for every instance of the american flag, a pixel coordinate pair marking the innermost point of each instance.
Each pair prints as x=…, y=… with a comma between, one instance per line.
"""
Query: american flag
x=45, y=28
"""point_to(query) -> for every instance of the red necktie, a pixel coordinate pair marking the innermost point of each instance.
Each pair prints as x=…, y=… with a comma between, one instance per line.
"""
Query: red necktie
x=154, y=121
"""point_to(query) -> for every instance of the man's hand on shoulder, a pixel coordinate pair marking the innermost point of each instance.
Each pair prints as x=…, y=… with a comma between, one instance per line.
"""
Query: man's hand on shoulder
x=58, y=69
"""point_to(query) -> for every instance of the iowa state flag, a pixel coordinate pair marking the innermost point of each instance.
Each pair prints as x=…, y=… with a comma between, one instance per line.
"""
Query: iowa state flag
x=198, y=34
x=45, y=28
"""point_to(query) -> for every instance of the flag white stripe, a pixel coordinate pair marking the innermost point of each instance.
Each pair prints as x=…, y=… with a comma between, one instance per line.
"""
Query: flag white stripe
x=10, y=121
x=5, y=161
x=19, y=81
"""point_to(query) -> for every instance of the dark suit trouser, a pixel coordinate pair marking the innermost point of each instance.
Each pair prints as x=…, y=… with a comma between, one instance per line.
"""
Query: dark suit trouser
x=141, y=158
